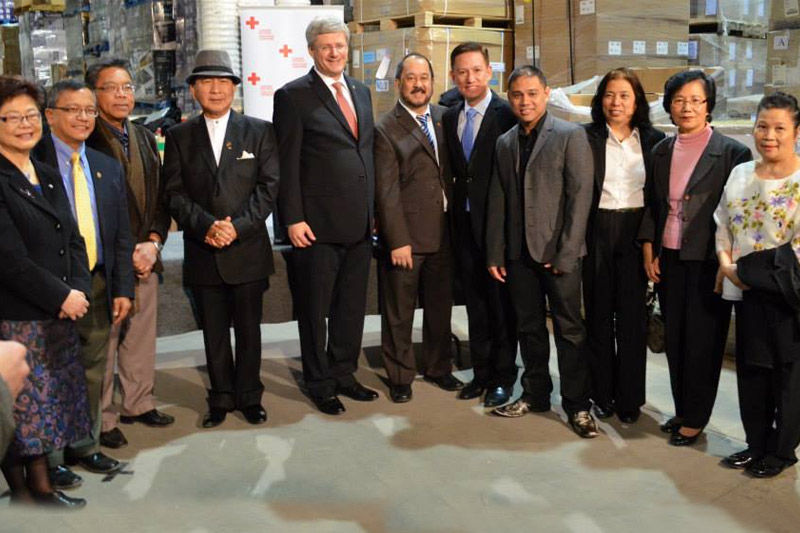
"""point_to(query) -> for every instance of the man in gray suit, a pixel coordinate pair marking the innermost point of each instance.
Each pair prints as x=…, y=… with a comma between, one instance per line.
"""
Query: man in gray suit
x=539, y=201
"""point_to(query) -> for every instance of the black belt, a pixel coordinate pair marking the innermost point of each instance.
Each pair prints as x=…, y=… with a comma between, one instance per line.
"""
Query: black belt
x=623, y=210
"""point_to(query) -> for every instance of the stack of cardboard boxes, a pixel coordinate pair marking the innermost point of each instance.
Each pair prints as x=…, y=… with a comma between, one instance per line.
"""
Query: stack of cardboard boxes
x=573, y=40
x=783, y=48
x=383, y=32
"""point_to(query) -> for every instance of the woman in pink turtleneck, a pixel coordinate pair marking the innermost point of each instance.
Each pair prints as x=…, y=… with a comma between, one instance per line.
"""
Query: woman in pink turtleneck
x=688, y=175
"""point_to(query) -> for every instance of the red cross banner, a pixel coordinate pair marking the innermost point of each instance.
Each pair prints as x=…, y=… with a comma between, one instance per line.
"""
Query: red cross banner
x=274, y=50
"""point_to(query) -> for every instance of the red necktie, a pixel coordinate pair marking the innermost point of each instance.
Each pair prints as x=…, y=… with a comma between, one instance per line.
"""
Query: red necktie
x=347, y=111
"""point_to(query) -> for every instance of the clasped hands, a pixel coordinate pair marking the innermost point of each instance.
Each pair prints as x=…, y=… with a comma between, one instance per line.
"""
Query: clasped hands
x=221, y=233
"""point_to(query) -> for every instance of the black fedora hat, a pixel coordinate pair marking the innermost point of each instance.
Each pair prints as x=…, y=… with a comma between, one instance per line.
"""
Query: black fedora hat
x=212, y=64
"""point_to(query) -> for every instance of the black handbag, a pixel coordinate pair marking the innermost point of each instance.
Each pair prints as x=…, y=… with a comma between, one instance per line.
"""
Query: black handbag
x=655, y=322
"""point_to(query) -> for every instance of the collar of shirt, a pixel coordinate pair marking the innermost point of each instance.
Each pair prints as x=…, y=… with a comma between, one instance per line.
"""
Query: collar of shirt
x=414, y=114
x=634, y=135
x=481, y=106
x=220, y=124
x=64, y=154
x=329, y=81
x=531, y=137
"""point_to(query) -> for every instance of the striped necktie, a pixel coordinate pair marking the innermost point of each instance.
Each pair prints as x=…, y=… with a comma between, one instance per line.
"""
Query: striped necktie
x=423, y=122
x=83, y=209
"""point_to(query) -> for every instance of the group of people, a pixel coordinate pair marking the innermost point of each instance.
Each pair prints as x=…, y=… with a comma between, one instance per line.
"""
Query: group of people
x=528, y=212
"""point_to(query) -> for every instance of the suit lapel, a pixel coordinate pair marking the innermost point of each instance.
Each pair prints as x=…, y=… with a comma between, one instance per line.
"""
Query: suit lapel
x=361, y=108
x=541, y=138
x=453, y=137
x=98, y=171
x=231, y=144
x=327, y=98
x=404, y=119
x=598, y=138
x=203, y=143
x=662, y=158
x=23, y=187
x=708, y=159
x=486, y=123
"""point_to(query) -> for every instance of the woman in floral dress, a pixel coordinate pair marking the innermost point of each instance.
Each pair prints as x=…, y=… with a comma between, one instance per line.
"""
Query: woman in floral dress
x=758, y=245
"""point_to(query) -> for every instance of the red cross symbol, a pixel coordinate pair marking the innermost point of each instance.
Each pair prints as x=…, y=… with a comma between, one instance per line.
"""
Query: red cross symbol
x=252, y=22
x=254, y=79
x=285, y=51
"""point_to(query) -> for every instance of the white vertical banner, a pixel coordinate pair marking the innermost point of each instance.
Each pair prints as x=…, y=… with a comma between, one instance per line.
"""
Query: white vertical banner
x=274, y=50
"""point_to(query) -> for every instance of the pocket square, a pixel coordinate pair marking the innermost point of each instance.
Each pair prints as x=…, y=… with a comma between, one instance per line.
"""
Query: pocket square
x=245, y=155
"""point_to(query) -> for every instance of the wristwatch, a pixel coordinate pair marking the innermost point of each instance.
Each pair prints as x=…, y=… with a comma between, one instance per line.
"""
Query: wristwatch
x=159, y=246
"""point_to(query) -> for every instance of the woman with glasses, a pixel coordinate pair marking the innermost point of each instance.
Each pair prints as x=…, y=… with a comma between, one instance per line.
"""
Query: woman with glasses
x=758, y=244
x=688, y=174
x=615, y=286
x=44, y=280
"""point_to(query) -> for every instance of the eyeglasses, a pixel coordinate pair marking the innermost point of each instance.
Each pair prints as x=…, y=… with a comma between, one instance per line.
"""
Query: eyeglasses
x=127, y=88
x=340, y=48
x=694, y=104
x=15, y=119
x=75, y=111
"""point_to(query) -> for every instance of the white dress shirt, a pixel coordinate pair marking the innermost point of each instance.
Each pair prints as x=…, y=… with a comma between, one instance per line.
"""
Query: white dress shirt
x=345, y=89
x=481, y=108
x=432, y=129
x=623, y=186
x=216, y=133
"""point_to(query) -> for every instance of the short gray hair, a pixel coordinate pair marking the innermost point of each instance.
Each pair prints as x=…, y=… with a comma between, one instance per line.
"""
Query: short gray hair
x=321, y=25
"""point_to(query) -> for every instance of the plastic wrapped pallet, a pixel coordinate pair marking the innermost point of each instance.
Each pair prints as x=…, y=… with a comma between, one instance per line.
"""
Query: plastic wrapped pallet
x=373, y=9
x=537, y=40
x=42, y=42
x=783, y=61
x=784, y=14
x=374, y=56
x=747, y=11
x=743, y=59
x=73, y=29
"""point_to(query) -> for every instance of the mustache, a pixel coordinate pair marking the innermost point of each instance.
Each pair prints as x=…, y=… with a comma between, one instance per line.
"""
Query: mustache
x=418, y=90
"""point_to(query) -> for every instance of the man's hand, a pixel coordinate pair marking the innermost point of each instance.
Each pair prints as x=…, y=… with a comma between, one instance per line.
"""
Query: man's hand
x=498, y=273
x=221, y=233
x=301, y=235
x=552, y=269
x=75, y=305
x=145, y=256
x=401, y=257
x=121, y=308
x=13, y=366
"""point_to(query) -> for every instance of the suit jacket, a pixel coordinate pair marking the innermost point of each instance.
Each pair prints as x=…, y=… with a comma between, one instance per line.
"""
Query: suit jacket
x=701, y=196
x=598, y=137
x=555, y=195
x=155, y=216
x=199, y=192
x=471, y=178
x=43, y=255
x=327, y=175
x=112, y=213
x=410, y=181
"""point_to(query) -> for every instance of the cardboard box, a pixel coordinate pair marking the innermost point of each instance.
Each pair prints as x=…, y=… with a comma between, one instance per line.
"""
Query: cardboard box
x=747, y=11
x=374, y=57
x=743, y=59
x=784, y=14
x=374, y=9
x=783, y=61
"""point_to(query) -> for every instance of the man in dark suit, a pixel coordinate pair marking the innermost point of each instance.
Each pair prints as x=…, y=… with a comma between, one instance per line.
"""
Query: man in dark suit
x=132, y=346
x=325, y=128
x=539, y=202
x=483, y=116
x=95, y=186
x=413, y=190
x=221, y=176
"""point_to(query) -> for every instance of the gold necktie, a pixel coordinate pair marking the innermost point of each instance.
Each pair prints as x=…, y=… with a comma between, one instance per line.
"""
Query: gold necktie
x=83, y=209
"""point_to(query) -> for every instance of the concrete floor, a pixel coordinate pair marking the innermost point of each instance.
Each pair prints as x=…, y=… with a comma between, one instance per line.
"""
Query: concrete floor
x=433, y=465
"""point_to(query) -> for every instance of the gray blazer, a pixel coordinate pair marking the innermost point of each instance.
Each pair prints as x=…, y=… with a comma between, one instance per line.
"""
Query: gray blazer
x=557, y=192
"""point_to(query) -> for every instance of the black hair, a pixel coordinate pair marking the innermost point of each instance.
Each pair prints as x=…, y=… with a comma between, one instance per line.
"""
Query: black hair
x=69, y=85
x=641, y=114
x=469, y=46
x=398, y=73
x=676, y=81
x=781, y=100
x=527, y=71
x=13, y=86
x=94, y=70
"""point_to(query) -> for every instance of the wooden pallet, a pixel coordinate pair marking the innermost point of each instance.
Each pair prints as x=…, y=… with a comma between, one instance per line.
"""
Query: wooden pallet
x=728, y=27
x=428, y=19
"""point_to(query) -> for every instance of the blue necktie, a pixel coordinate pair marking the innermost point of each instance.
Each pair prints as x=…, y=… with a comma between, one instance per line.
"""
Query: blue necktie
x=468, y=135
x=423, y=122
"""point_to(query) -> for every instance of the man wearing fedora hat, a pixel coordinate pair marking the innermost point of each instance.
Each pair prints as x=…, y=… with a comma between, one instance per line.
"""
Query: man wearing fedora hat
x=221, y=176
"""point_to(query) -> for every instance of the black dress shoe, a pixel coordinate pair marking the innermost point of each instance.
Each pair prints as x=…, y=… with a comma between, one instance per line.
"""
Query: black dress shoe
x=627, y=417
x=446, y=382
x=152, y=418
x=214, y=417
x=672, y=425
x=113, y=439
x=330, y=405
x=58, y=499
x=603, y=410
x=358, y=392
x=400, y=393
x=739, y=460
x=99, y=463
x=254, y=414
x=496, y=397
x=63, y=478
x=769, y=466
x=679, y=439
x=583, y=424
x=471, y=390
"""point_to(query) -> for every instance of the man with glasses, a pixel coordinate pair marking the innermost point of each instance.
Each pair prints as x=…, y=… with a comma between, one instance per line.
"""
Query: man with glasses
x=96, y=190
x=132, y=346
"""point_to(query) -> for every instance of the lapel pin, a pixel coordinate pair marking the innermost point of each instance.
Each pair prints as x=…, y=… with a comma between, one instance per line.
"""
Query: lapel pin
x=229, y=145
x=98, y=174
x=26, y=192
x=49, y=185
